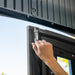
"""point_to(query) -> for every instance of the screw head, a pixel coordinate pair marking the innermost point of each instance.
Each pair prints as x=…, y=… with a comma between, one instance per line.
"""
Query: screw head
x=72, y=55
x=52, y=73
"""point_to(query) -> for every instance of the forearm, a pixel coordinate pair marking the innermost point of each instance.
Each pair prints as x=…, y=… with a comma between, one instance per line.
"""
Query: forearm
x=55, y=67
x=44, y=50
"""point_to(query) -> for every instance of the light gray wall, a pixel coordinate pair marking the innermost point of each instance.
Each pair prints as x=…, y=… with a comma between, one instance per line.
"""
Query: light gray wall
x=58, y=11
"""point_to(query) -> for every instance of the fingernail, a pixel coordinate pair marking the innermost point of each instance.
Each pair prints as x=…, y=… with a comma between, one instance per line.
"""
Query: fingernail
x=32, y=43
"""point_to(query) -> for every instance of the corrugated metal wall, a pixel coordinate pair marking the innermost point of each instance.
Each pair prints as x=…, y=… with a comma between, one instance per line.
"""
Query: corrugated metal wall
x=58, y=11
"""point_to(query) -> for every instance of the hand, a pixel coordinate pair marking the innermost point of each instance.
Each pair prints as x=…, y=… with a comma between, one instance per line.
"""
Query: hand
x=43, y=49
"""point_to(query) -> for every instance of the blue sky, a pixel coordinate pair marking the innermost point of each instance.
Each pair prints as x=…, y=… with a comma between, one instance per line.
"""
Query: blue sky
x=13, y=56
x=13, y=45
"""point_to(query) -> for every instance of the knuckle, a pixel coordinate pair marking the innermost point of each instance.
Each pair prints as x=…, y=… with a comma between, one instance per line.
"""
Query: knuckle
x=39, y=46
x=43, y=44
x=50, y=44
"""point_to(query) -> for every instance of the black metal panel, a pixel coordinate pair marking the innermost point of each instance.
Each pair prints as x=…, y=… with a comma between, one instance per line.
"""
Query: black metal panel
x=10, y=4
x=34, y=62
x=1, y=3
x=68, y=13
x=44, y=71
x=62, y=46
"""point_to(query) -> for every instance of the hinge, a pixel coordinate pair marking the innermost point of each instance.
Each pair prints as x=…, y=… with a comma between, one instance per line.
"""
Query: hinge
x=36, y=34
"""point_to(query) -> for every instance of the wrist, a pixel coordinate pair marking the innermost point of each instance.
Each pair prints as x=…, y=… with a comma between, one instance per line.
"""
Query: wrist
x=50, y=61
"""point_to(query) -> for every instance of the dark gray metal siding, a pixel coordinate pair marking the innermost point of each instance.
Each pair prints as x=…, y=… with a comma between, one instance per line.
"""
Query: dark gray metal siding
x=18, y=5
x=62, y=13
x=68, y=13
x=50, y=10
x=73, y=12
x=58, y=11
x=25, y=6
x=39, y=8
x=10, y=4
x=2, y=3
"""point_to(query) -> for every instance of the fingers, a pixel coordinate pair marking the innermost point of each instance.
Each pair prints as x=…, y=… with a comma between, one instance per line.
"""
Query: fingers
x=44, y=41
x=34, y=47
x=37, y=43
x=41, y=42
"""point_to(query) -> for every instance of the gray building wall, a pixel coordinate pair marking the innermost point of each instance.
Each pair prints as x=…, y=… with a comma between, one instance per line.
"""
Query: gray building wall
x=58, y=11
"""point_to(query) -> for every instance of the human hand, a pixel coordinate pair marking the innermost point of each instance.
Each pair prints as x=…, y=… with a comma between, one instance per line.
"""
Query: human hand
x=43, y=49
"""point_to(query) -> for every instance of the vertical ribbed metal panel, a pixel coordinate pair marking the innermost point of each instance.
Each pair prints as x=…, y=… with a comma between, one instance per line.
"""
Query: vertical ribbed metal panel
x=50, y=10
x=56, y=11
x=44, y=9
x=73, y=12
x=10, y=4
x=34, y=8
x=29, y=6
x=1, y=3
x=68, y=13
x=25, y=6
x=62, y=13
x=39, y=8
x=18, y=5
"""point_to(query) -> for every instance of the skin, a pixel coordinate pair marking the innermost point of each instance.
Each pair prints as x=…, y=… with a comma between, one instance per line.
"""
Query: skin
x=44, y=50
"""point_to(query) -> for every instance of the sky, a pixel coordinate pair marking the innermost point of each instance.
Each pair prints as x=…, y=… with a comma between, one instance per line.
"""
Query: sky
x=13, y=53
x=13, y=45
